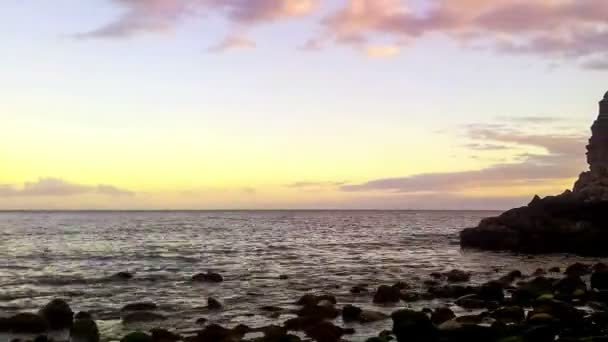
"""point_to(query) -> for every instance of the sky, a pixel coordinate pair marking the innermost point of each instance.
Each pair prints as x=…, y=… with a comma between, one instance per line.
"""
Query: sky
x=296, y=104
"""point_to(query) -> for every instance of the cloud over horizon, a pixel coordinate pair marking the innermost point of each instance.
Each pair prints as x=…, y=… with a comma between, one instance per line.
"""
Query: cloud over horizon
x=57, y=187
x=567, y=29
x=563, y=158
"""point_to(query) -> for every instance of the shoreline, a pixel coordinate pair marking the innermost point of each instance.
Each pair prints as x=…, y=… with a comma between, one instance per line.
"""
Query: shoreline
x=454, y=306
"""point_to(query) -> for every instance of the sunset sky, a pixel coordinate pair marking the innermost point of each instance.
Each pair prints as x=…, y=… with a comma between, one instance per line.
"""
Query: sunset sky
x=269, y=104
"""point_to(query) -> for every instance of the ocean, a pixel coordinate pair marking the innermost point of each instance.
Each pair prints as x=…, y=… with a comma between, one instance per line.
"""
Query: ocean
x=72, y=255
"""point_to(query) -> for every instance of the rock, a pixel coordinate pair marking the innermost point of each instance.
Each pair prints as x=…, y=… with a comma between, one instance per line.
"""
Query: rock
x=413, y=326
x=324, y=332
x=509, y=314
x=471, y=302
x=201, y=321
x=600, y=266
x=451, y=291
x=311, y=299
x=209, y=277
x=401, y=285
x=24, y=323
x=578, y=270
x=458, y=276
x=599, y=280
x=84, y=329
x=358, y=289
x=58, y=314
x=555, y=270
x=491, y=291
x=122, y=276
x=83, y=315
x=144, y=306
x=283, y=277
x=142, y=316
x=137, y=337
x=351, y=313
x=387, y=294
x=217, y=333
x=541, y=333
x=531, y=290
x=569, y=287
x=469, y=333
x=162, y=335
x=319, y=311
x=214, y=304
x=441, y=315
x=539, y=272
x=371, y=316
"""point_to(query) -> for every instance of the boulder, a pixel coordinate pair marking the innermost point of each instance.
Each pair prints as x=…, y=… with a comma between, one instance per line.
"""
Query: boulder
x=137, y=336
x=599, y=280
x=458, y=276
x=163, y=335
x=58, y=314
x=324, y=332
x=351, y=313
x=509, y=314
x=214, y=304
x=441, y=315
x=84, y=329
x=387, y=294
x=413, y=326
x=25, y=323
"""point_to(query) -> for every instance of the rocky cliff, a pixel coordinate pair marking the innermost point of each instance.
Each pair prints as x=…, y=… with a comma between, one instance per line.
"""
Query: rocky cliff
x=574, y=222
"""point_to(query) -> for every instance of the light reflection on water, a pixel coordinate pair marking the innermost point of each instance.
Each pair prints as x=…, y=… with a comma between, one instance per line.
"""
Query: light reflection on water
x=69, y=255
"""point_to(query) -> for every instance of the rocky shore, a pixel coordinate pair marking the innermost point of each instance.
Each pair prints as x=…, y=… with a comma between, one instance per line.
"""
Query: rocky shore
x=548, y=305
x=572, y=222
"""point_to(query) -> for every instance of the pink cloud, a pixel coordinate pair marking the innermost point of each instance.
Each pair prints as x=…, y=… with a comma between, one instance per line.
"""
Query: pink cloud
x=564, y=28
x=154, y=16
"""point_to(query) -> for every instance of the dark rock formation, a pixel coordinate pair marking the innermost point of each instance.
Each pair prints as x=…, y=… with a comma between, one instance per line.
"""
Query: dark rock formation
x=573, y=222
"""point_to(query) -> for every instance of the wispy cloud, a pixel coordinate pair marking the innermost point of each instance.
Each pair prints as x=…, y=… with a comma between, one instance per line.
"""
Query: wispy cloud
x=59, y=187
x=307, y=184
x=570, y=29
x=233, y=42
x=563, y=158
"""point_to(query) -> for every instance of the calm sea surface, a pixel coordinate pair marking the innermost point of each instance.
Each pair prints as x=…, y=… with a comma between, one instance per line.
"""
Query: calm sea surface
x=70, y=255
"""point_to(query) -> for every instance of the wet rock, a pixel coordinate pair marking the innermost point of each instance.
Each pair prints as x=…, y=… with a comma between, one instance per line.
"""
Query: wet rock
x=471, y=302
x=600, y=266
x=209, y=277
x=351, y=313
x=83, y=315
x=137, y=337
x=491, y=291
x=400, y=285
x=217, y=333
x=371, y=316
x=451, y=291
x=531, y=290
x=142, y=316
x=122, y=276
x=555, y=270
x=599, y=280
x=358, y=289
x=578, y=270
x=319, y=311
x=387, y=294
x=324, y=332
x=201, y=321
x=509, y=314
x=458, y=276
x=144, y=306
x=214, y=304
x=58, y=314
x=413, y=326
x=26, y=323
x=569, y=287
x=542, y=333
x=283, y=277
x=441, y=315
x=436, y=275
x=311, y=299
x=84, y=329
x=163, y=335
x=410, y=297
x=539, y=272
x=469, y=333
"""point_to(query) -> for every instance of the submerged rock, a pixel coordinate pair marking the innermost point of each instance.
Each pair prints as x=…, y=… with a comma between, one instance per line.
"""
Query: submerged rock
x=387, y=294
x=209, y=277
x=142, y=316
